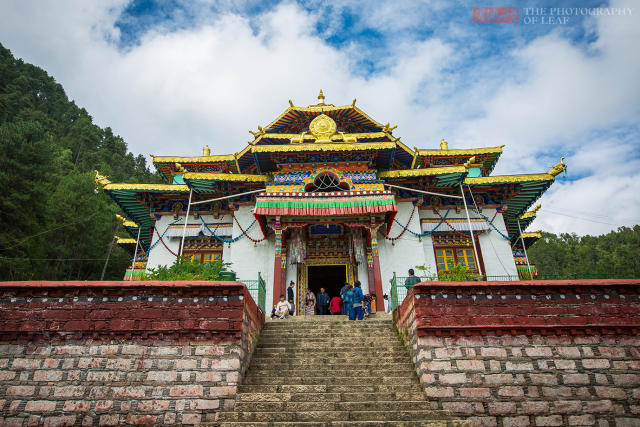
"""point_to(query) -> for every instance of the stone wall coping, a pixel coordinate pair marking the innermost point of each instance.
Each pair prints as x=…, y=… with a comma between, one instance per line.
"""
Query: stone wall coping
x=119, y=284
x=528, y=284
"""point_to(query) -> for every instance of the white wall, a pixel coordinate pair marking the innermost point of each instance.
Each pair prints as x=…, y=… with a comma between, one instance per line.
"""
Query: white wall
x=159, y=255
x=496, y=250
x=363, y=277
x=407, y=252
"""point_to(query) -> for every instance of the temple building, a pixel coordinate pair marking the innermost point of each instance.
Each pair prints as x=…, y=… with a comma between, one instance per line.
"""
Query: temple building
x=325, y=194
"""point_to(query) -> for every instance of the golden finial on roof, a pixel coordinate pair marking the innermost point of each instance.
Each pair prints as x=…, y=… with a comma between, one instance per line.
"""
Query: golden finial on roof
x=558, y=169
x=180, y=168
x=206, y=151
x=321, y=98
x=351, y=138
x=257, y=134
x=120, y=218
x=467, y=164
x=444, y=145
x=353, y=104
x=388, y=128
x=536, y=209
x=291, y=104
x=102, y=181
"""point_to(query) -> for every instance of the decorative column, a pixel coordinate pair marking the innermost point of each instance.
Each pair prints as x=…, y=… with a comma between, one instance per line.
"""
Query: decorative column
x=375, y=267
x=278, y=279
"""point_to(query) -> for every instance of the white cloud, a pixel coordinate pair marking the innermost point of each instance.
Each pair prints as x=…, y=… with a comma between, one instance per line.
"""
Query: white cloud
x=179, y=89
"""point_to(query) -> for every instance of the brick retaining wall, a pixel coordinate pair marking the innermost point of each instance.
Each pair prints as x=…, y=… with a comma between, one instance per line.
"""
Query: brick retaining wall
x=528, y=353
x=108, y=353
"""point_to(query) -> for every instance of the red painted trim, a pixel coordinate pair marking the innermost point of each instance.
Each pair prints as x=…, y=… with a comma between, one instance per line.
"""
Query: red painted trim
x=529, y=283
x=277, y=279
x=377, y=280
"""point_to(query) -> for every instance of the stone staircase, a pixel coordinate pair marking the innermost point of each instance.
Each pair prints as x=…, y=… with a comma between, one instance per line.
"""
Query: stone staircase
x=328, y=371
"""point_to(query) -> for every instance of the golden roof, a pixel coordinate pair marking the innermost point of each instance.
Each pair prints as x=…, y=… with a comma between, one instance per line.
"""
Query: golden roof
x=460, y=152
x=125, y=241
x=149, y=187
x=360, y=146
x=502, y=179
x=422, y=172
x=533, y=234
x=195, y=159
x=225, y=177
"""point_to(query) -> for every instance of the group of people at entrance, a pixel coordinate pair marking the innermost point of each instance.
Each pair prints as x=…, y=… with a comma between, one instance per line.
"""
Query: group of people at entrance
x=351, y=302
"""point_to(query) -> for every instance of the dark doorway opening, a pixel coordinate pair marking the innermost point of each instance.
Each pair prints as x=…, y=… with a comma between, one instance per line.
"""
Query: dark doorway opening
x=329, y=277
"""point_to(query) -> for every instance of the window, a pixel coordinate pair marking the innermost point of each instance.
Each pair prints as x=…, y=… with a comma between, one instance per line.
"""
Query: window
x=446, y=258
x=327, y=181
x=205, y=257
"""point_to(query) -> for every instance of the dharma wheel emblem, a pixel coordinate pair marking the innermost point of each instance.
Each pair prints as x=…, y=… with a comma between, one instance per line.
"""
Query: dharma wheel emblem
x=323, y=128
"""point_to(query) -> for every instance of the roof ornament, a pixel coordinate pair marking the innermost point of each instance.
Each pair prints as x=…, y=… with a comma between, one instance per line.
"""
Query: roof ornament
x=206, y=151
x=120, y=218
x=321, y=98
x=558, y=169
x=351, y=138
x=444, y=145
x=467, y=164
x=291, y=104
x=388, y=129
x=100, y=180
x=353, y=104
x=323, y=128
x=180, y=168
x=298, y=139
x=257, y=134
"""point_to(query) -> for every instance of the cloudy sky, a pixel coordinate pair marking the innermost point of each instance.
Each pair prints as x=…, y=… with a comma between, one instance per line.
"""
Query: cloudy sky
x=172, y=76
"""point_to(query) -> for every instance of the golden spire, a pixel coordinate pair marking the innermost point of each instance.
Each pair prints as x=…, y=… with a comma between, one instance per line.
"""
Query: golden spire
x=206, y=151
x=444, y=145
x=321, y=98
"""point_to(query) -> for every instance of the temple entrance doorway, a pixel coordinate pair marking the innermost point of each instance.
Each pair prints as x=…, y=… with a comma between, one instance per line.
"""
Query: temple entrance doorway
x=329, y=277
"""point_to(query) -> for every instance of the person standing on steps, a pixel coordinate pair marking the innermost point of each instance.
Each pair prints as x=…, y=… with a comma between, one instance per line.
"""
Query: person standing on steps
x=357, y=299
x=347, y=298
x=309, y=303
x=290, y=295
x=336, y=305
x=323, y=302
x=411, y=280
x=343, y=290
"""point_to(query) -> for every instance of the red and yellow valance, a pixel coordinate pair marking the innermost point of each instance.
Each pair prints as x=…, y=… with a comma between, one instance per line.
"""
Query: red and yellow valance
x=325, y=204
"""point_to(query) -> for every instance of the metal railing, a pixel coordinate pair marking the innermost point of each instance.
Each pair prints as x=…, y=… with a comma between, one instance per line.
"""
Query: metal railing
x=398, y=291
x=257, y=290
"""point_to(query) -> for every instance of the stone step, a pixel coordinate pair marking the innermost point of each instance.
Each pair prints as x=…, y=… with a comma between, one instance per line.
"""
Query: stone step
x=333, y=406
x=302, y=380
x=316, y=359
x=373, y=338
x=329, y=388
x=348, y=354
x=360, y=346
x=326, y=364
x=334, y=373
x=347, y=326
x=323, y=416
x=441, y=423
x=328, y=397
x=329, y=336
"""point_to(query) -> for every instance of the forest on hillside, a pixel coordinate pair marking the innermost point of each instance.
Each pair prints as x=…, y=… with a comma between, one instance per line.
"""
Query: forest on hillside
x=613, y=254
x=54, y=225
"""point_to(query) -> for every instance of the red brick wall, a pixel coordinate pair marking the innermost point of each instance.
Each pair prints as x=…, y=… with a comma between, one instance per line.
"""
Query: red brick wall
x=558, y=353
x=108, y=353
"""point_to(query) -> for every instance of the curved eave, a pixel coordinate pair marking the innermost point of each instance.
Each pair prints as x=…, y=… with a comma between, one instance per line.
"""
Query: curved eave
x=224, y=183
x=529, y=189
x=126, y=196
x=529, y=239
x=445, y=176
x=167, y=165
x=489, y=156
x=351, y=111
